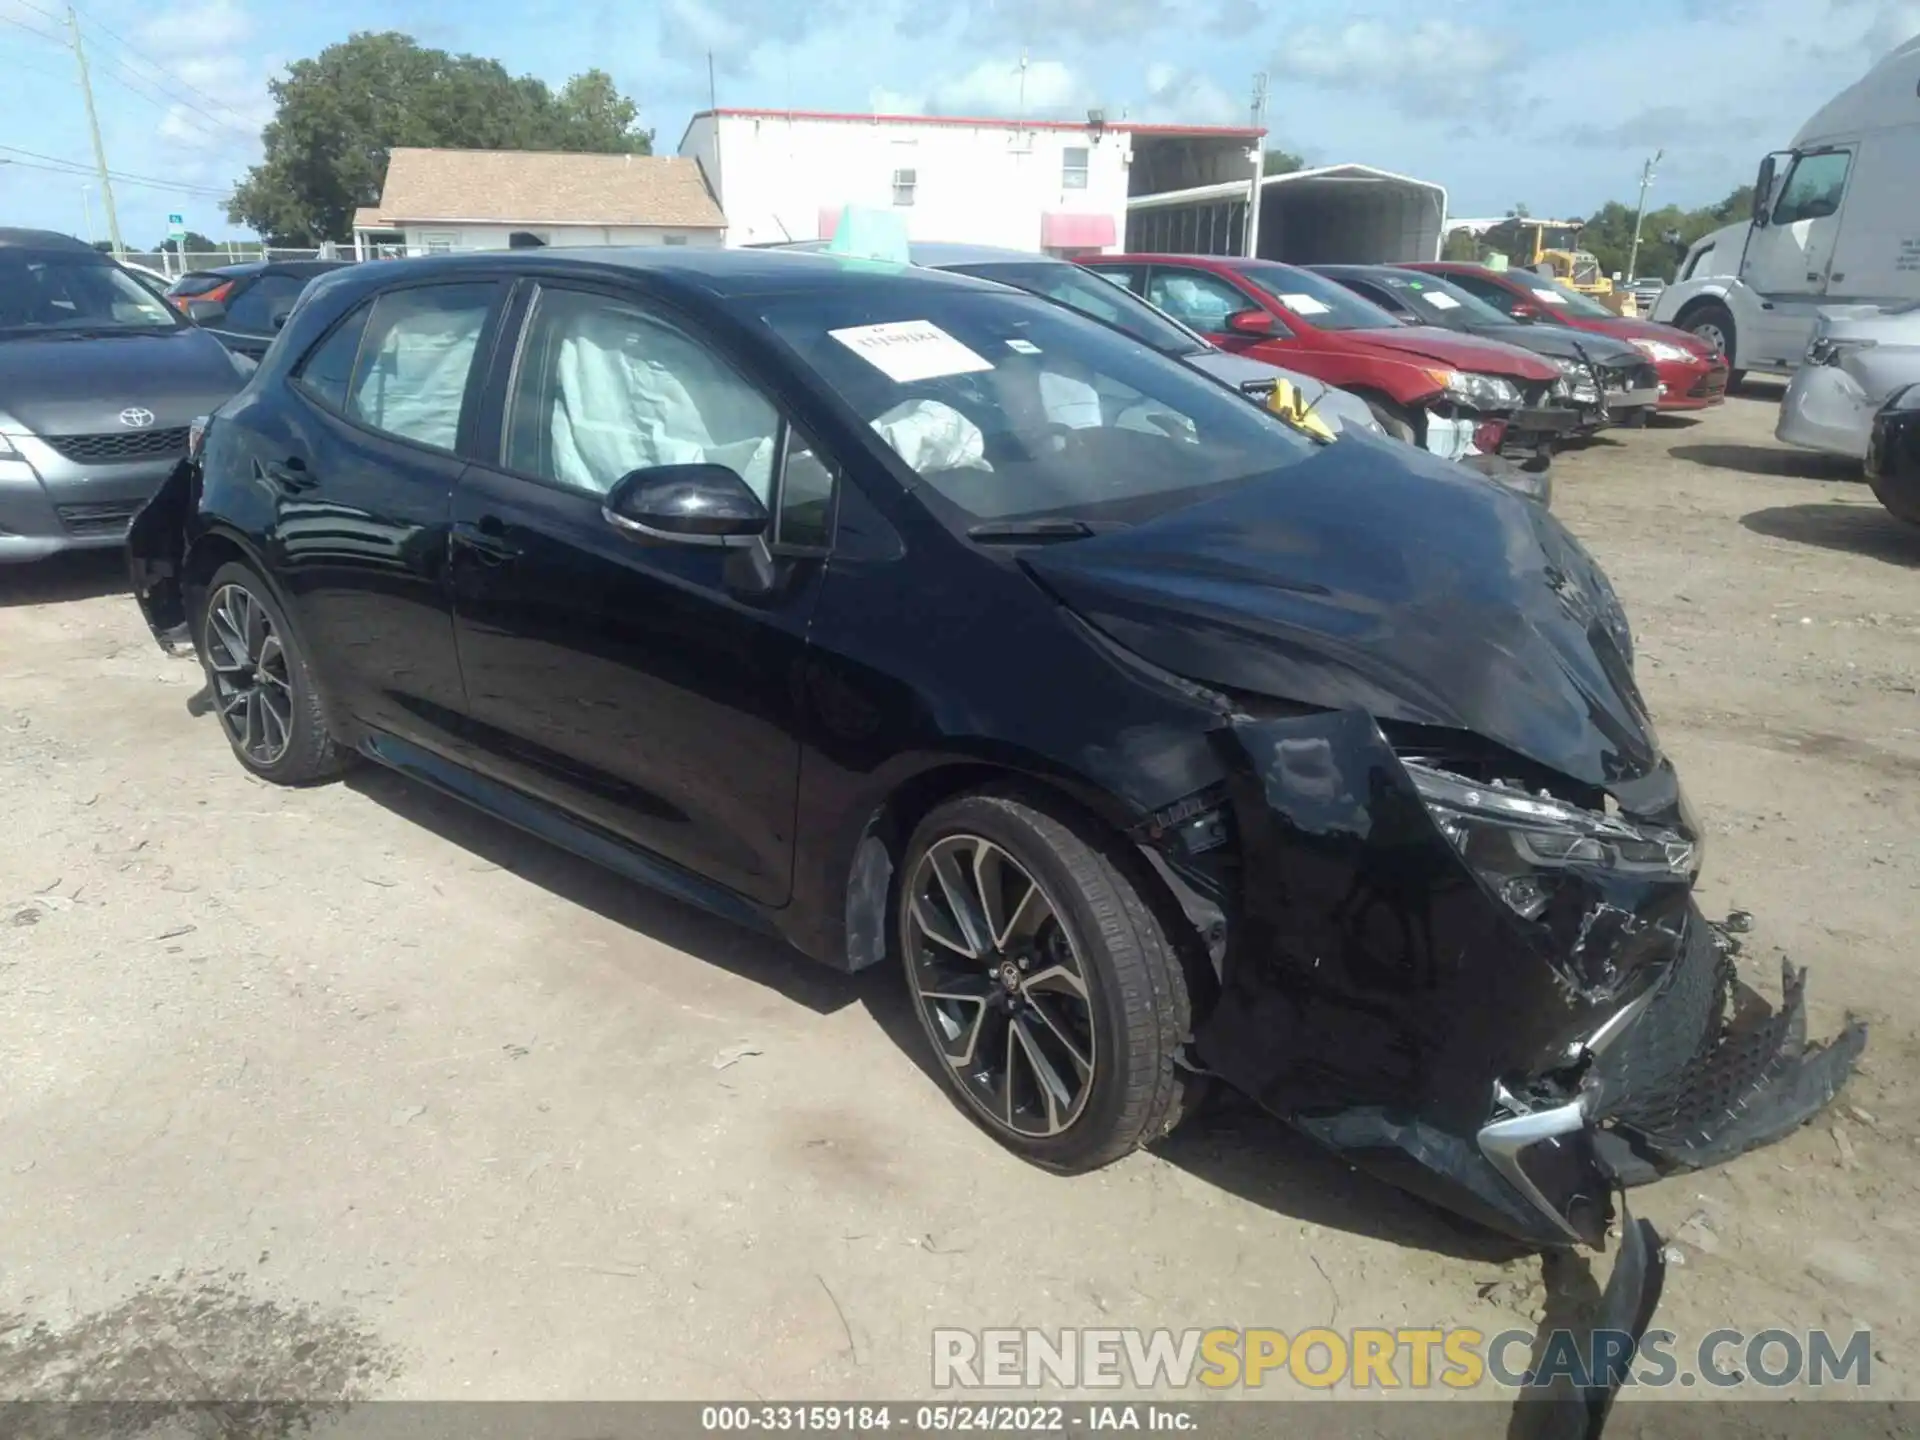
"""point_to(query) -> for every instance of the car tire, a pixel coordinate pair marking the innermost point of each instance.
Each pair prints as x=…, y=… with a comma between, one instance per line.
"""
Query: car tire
x=1900, y=505
x=1712, y=322
x=1055, y=1017
x=264, y=694
x=1395, y=421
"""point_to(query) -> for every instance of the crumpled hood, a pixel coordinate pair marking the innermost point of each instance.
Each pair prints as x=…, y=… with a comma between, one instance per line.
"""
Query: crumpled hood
x=1460, y=351
x=80, y=386
x=1564, y=342
x=1373, y=577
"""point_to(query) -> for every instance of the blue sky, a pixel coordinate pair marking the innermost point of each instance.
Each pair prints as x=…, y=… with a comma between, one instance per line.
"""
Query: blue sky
x=1500, y=100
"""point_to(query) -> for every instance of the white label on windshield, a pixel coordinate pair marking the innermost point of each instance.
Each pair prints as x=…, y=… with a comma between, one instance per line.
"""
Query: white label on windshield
x=1304, y=305
x=1442, y=302
x=1023, y=347
x=1552, y=297
x=909, y=350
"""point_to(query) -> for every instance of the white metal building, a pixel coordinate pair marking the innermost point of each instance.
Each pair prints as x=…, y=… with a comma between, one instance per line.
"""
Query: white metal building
x=1052, y=185
x=435, y=201
x=1331, y=214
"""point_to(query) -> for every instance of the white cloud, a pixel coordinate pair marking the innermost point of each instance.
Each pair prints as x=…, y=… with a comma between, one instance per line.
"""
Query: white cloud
x=1178, y=96
x=1047, y=88
x=1435, y=68
x=197, y=27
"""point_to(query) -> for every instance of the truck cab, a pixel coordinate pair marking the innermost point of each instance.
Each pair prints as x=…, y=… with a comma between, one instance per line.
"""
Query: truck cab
x=1836, y=220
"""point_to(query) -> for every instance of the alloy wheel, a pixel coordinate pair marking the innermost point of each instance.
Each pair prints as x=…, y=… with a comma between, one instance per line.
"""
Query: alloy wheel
x=1001, y=986
x=251, y=688
x=1713, y=335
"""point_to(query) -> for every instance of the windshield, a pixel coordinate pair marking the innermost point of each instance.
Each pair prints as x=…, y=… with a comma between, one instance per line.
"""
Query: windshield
x=1557, y=299
x=1105, y=300
x=45, y=292
x=1010, y=407
x=1435, y=301
x=1322, y=303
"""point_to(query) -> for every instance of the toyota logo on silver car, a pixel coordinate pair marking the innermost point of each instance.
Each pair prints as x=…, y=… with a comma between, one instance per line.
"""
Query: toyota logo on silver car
x=136, y=416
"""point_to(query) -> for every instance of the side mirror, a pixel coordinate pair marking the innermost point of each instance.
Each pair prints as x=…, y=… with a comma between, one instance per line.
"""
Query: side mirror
x=692, y=504
x=280, y=318
x=206, y=312
x=1763, y=192
x=1250, y=322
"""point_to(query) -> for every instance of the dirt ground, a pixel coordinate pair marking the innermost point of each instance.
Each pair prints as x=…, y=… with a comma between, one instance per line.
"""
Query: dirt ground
x=353, y=1092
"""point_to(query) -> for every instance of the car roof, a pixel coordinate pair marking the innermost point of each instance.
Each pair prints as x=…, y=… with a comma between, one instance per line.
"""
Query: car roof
x=720, y=274
x=245, y=268
x=23, y=239
x=937, y=254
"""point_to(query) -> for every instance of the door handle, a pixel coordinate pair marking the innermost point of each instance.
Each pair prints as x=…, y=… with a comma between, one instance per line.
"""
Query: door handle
x=487, y=540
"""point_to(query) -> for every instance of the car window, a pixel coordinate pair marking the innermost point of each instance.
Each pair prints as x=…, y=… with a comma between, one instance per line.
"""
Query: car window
x=806, y=494
x=1491, y=291
x=603, y=388
x=251, y=312
x=196, y=283
x=43, y=291
x=410, y=379
x=1193, y=297
x=327, y=370
x=1009, y=406
x=1127, y=277
x=1095, y=294
x=1814, y=187
x=1317, y=300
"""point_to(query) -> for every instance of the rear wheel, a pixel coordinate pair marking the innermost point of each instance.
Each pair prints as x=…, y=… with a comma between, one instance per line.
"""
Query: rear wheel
x=1053, y=1001
x=263, y=693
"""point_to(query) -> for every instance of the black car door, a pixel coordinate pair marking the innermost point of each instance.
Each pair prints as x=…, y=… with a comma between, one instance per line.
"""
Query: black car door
x=360, y=460
x=647, y=686
x=253, y=315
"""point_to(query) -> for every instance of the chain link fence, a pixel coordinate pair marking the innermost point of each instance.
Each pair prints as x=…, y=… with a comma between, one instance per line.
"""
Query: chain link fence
x=169, y=263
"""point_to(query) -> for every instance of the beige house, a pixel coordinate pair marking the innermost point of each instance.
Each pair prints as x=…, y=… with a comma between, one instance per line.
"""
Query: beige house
x=438, y=201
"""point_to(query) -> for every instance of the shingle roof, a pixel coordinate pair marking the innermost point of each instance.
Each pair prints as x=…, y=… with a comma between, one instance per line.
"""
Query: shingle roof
x=546, y=187
x=368, y=217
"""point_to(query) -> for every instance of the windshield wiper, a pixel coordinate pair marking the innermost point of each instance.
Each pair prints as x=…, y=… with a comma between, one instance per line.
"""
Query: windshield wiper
x=1015, y=532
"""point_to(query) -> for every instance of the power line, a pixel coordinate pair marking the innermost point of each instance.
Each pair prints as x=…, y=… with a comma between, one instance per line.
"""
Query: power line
x=31, y=30
x=136, y=84
x=153, y=181
x=85, y=172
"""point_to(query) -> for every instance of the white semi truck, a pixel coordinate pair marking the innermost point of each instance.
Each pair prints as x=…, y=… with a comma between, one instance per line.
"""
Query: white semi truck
x=1836, y=221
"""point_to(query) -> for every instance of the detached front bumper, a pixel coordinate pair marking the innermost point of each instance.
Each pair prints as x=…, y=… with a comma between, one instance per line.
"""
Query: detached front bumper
x=1513, y=1059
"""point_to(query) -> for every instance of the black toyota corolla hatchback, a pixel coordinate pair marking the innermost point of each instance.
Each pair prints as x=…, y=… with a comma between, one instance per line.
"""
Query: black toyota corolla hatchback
x=925, y=622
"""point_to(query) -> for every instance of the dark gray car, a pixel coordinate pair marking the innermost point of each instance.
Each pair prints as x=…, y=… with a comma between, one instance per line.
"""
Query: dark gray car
x=99, y=382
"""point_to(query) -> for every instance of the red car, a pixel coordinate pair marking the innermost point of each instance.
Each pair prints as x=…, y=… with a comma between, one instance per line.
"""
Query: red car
x=1693, y=375
x=1430, y=386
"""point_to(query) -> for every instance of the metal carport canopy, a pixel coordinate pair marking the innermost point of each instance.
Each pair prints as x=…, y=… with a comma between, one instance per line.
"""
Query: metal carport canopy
x=1350, y=213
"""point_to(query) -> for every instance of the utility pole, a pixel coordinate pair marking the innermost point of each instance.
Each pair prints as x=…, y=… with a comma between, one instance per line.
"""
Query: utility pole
x=1256, y=191
x=1646, y=179
x=99, y=149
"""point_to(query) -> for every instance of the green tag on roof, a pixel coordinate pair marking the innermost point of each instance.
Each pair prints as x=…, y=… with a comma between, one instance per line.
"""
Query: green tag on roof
x=868, y=234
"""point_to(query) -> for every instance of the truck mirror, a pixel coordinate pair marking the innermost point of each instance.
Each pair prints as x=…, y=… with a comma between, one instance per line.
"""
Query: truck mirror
x=1763, y=192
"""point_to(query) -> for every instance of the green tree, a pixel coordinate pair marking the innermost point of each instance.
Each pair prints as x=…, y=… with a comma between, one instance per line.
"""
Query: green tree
x=1666, y=234
x=338, y=114
x=1281, y=162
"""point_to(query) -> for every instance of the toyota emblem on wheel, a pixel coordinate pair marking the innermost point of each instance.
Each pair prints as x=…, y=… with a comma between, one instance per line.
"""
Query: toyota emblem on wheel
x=136, y=416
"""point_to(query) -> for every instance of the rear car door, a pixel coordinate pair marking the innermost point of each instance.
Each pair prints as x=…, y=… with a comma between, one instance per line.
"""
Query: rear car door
x=646, y=686
x=253, y=313
x=361, y=469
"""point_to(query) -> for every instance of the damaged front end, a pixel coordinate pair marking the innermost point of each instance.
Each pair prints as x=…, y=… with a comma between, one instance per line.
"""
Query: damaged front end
x=1498, y=998
x=1447, y=873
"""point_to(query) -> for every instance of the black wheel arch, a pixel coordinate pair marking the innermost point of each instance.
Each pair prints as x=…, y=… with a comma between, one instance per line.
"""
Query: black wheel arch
x=870, y=887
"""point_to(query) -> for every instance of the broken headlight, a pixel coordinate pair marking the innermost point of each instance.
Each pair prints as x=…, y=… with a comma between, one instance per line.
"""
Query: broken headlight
x=1521, y=845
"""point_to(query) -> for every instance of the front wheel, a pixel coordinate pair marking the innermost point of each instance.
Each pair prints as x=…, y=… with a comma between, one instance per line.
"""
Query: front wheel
x=263, y=692
x=1713, y=323
x=1053, y=1001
